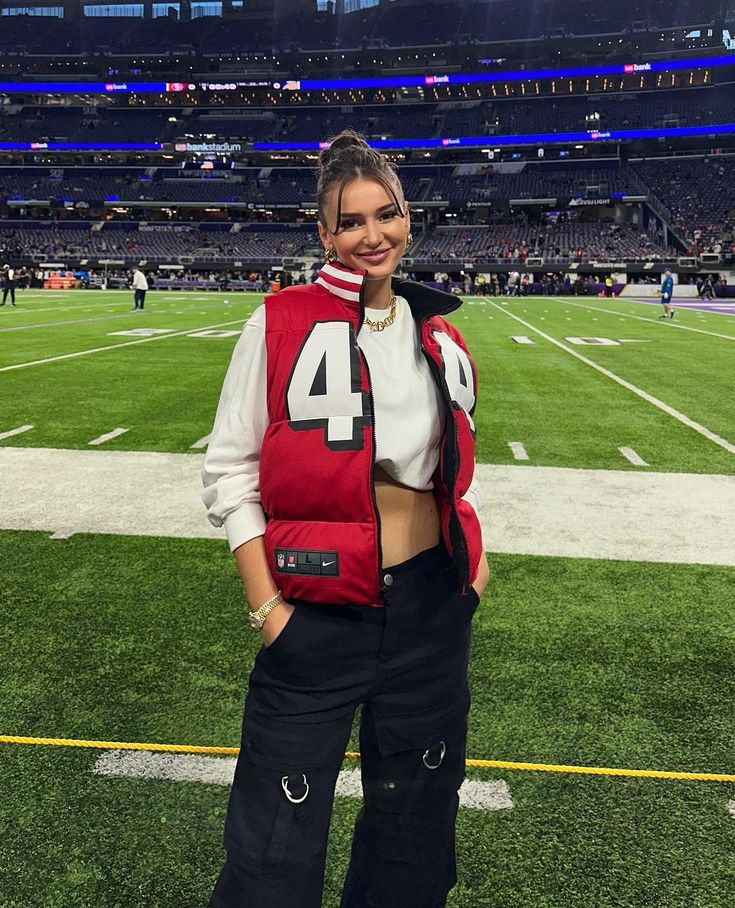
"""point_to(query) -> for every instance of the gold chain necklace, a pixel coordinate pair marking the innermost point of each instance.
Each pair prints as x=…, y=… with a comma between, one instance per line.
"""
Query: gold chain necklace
x=384, y=322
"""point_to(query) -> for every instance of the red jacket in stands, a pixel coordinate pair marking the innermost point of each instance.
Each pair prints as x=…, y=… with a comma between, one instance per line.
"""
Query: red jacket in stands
x=316, y=466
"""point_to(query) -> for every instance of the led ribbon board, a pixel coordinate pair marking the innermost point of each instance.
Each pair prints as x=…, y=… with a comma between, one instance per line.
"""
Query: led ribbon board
x=521, y=75
x=539, y=138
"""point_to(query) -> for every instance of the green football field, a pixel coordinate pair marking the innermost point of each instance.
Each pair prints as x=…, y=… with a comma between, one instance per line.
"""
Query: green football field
x=612, y=662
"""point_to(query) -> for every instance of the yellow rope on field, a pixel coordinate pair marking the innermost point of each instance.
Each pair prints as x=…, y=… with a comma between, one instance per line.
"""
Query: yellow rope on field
x=352, y=755
x=603, y=771
x=122, y=745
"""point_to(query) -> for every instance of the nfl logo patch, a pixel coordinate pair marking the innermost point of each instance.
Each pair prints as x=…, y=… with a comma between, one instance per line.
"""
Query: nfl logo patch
x=281, y=560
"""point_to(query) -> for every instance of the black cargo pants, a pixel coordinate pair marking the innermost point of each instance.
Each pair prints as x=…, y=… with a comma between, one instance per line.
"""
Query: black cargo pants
x=406, y=665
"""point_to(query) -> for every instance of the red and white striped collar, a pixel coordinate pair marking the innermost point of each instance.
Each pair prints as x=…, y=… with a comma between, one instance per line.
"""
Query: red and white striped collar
x=341, y=281
x=423, y=301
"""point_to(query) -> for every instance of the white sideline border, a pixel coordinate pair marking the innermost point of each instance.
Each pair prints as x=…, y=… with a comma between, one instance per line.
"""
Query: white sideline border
x=620, y=515
x=149, y=765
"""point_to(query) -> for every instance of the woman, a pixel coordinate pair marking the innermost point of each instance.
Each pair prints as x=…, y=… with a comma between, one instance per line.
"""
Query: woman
x=341, y=465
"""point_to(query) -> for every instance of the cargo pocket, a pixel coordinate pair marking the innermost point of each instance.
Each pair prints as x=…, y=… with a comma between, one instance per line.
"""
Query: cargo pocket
x=282, y=793
x=411, y=804
x=422, y=760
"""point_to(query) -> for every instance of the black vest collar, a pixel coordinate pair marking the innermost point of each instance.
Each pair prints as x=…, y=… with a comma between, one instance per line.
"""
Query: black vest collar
x=425, y=301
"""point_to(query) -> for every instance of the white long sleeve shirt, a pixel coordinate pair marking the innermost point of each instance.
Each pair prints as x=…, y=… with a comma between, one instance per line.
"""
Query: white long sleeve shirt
x=409, y=421
x=140, y=281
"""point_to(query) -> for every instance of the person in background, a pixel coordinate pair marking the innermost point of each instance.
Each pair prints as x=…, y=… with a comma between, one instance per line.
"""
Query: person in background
x=24, y=278
x=8, y=285
x=140, y=288
x=708, y=288
x=667, y=291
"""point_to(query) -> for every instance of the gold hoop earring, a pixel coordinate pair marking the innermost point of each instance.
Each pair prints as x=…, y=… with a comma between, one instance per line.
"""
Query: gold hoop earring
x=409, y=239
x=330, y=256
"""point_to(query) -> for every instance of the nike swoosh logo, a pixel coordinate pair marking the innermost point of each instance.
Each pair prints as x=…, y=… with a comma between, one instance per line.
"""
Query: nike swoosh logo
x=327, y=563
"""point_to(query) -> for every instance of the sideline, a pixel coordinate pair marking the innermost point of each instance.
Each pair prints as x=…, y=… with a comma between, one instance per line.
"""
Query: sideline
x=352, y=755
x=649, y=398
x=621, y=515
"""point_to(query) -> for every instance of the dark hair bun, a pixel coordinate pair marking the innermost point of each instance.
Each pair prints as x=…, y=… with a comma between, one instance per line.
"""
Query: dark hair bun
x=348, y=141
x=348, y=138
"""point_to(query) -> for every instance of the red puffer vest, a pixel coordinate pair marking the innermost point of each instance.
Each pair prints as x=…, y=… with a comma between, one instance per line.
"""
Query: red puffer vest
x=316, y=467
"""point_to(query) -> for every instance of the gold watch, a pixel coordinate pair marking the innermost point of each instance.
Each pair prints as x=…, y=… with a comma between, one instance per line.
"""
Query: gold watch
x=257, y=618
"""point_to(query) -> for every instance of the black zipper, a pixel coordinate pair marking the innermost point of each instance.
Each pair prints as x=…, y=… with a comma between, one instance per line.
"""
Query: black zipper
x=442, y=383
x=375, y=445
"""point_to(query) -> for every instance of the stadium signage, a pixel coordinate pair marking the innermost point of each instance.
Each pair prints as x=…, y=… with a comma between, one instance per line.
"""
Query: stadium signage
x=581, y=203
x=551, y=138
x=197, y=147
x=637, y=68
x=164, y=228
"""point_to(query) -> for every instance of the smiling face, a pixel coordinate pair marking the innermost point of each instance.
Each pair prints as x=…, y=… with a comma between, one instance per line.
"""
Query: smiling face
x=371, y=232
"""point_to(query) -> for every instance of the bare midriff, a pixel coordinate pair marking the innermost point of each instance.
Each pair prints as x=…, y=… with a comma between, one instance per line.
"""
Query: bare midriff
x=409, y=520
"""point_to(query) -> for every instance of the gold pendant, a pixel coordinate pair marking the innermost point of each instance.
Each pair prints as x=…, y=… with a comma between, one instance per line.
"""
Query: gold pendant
x=384, y=322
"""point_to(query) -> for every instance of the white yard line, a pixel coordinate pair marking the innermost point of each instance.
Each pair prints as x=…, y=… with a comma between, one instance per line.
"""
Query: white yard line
x=108, y=436
x=670, y=323
x=144, y=340
x=11, y=432
x=630, y=455
x=519, y=452
x=616, y=514
x=30, y=307
x=149, y=765
x=100, y=318
x=649, y=398
x=73, y=321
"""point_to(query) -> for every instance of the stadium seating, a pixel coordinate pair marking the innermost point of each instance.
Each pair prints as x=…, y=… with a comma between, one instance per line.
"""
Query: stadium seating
x=297, y=185
x=574, y=241
x=698, y=193
x=159, y=243
x=689, y=107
